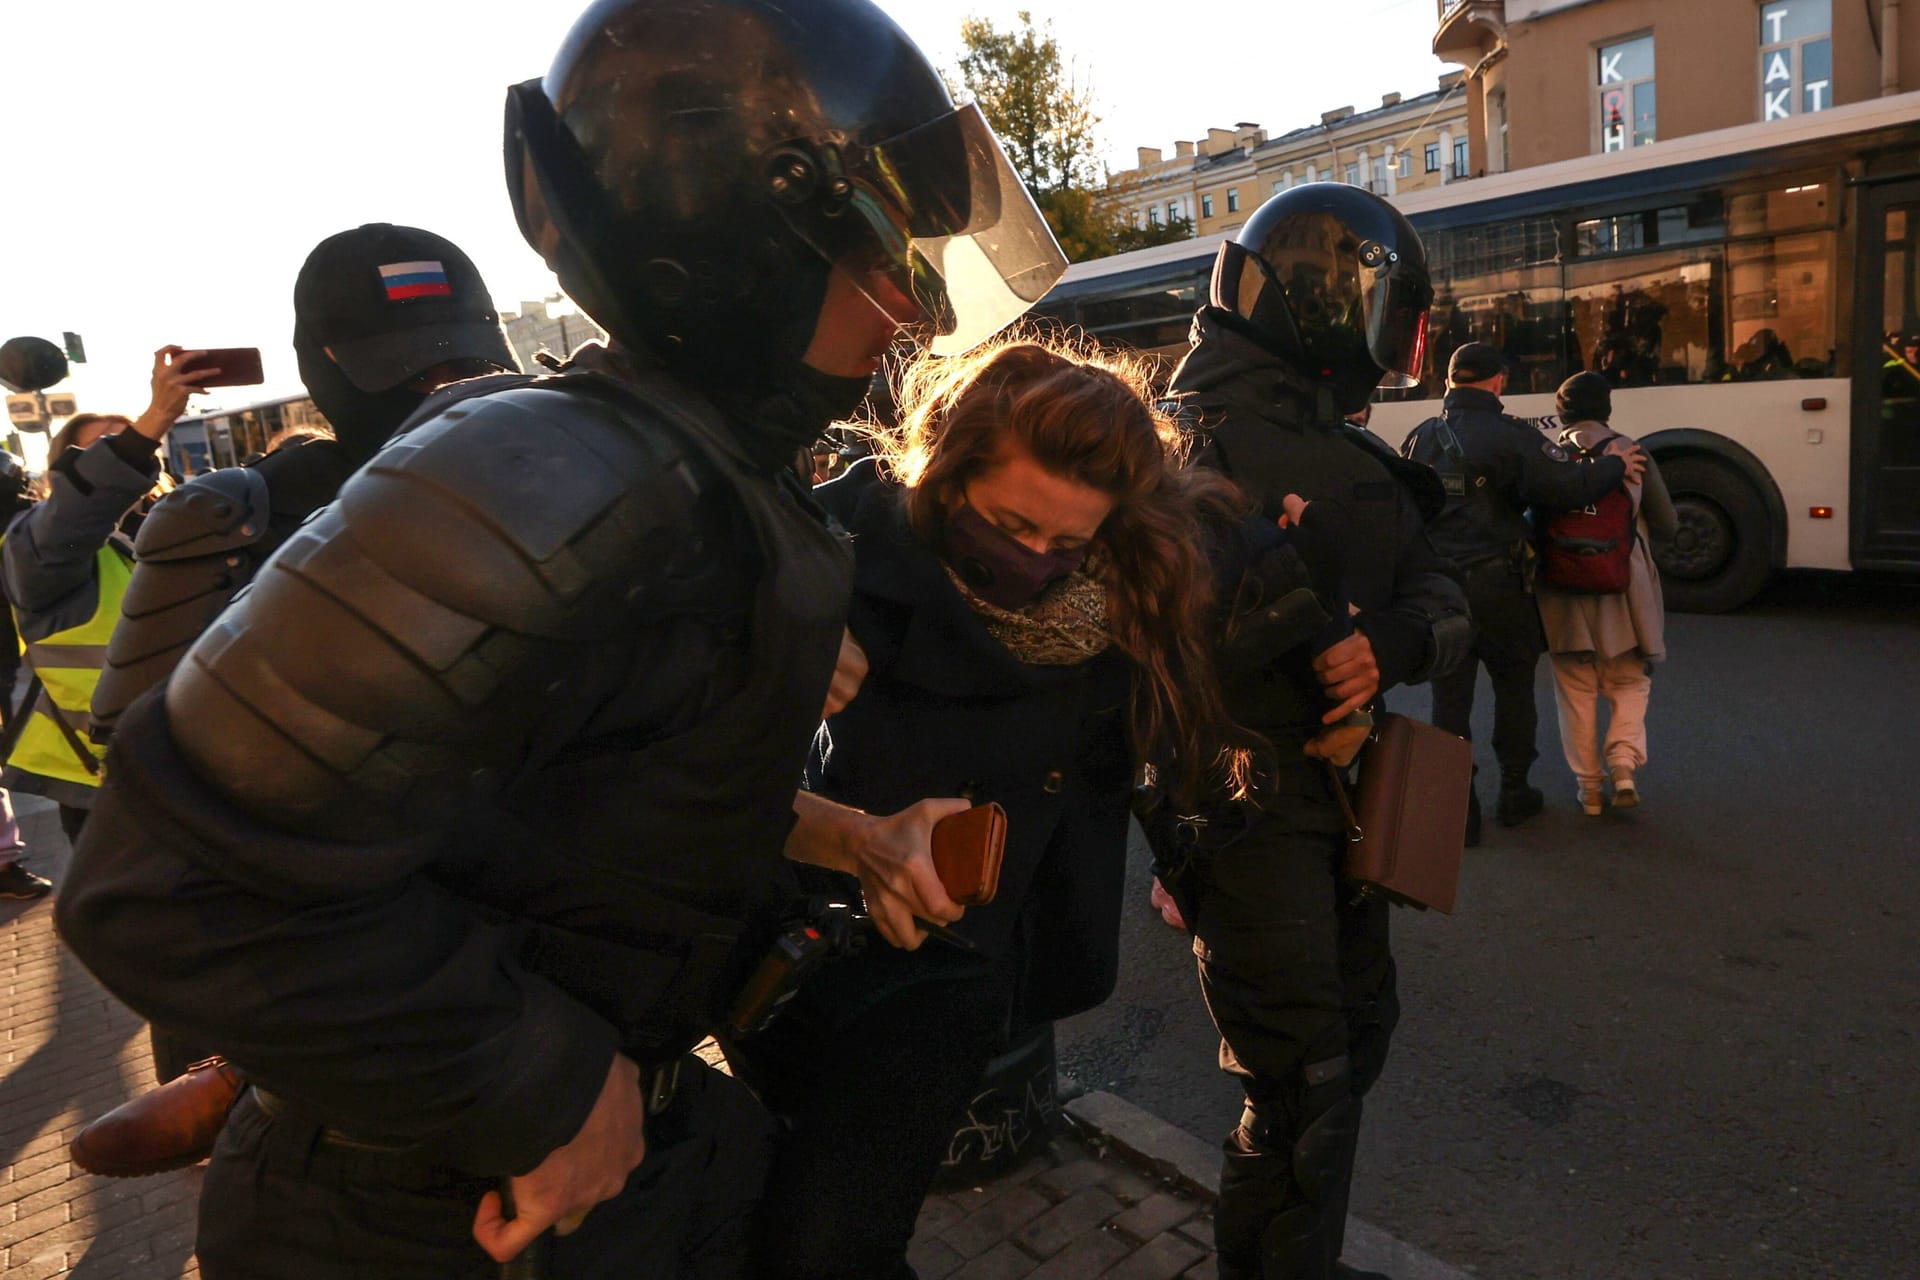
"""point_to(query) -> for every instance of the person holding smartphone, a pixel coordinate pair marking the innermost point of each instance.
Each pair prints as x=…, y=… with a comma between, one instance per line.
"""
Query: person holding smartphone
x=66, y=563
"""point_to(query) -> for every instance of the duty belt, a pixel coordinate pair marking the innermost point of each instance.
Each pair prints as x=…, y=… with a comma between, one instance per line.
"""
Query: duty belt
x=658, y=1084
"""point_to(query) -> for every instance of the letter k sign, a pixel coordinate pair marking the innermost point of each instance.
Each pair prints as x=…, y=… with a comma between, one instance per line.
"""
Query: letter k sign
x=1610, y=67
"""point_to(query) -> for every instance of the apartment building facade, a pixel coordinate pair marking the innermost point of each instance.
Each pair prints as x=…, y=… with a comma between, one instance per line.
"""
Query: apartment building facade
x=1215, y=183
x=1550, y=80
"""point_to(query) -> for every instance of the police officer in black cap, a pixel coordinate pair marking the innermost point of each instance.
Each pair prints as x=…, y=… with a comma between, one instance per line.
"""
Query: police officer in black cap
x=1494, y=467
x=383, y=316
x=463, y=824
x=1322, y=299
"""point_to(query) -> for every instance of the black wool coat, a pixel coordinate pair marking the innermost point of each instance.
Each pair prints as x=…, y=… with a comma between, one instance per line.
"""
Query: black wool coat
x=946, y=710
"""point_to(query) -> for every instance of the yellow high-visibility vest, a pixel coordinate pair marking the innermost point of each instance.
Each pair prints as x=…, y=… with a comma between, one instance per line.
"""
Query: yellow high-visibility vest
x=54, y=742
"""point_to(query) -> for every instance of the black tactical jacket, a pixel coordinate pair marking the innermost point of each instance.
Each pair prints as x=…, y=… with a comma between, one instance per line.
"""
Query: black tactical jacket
x=1494, y=467
x=1269, y=430
x=486, y=776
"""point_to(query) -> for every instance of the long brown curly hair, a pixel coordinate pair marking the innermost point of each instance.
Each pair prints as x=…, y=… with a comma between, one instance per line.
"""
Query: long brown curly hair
x=1088, y=415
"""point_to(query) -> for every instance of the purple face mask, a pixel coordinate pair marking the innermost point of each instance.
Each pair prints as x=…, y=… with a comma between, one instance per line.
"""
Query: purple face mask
x=996, y=566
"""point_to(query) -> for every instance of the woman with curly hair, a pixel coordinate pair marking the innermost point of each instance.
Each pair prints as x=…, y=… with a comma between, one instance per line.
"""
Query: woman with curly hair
x=1034, y=595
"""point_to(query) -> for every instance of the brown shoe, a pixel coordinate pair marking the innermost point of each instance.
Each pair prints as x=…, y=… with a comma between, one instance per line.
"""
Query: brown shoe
x=163, y=1129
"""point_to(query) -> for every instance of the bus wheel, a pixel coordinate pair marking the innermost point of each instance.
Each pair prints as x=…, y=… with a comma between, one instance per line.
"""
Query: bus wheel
x=1718, y=559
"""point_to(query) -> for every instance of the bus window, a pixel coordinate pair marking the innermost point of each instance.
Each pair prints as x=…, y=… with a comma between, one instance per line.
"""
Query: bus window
x=1148, y=319
x=1649, y=320
x=1703, y=218
x=1780, y=307
x=1500, y=284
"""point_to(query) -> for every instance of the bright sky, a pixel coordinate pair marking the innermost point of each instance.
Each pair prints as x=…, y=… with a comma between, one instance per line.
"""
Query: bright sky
x=170, y=166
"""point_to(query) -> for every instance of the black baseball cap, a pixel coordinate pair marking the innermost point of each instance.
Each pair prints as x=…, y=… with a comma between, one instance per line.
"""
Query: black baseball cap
x=1475, y=362
x=390, y=302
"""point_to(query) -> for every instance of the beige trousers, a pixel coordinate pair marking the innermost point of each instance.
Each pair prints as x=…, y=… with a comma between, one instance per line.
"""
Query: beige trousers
x=1581, y=680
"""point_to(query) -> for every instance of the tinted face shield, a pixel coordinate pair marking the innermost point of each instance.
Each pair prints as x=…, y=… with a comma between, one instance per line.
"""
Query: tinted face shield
x=934, y=226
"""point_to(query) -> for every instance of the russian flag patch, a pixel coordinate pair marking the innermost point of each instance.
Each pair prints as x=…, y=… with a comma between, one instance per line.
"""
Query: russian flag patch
x=405, y=280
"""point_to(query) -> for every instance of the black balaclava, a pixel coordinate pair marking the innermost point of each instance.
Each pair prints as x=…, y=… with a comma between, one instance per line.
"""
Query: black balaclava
x=798, y=411
x=362, y=421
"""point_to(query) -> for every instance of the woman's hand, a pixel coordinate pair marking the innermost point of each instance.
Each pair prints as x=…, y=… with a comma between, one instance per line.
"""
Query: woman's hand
x=892, y=856
x=894, y=860
x=1339, y=743
x=1294, y=507
x=170, y=390
x=849, y=673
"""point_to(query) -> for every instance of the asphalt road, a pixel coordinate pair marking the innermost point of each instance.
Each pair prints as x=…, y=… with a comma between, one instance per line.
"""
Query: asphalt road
x=1679, y=1043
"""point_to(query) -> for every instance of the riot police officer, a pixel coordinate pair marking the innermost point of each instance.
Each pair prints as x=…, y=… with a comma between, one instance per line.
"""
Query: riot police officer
x=370, y=350
x=1494, y=467
x=1321, y=298
x=463, y=824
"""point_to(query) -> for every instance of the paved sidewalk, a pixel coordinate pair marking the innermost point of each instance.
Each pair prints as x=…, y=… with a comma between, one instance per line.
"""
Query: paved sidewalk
x=69, y=1051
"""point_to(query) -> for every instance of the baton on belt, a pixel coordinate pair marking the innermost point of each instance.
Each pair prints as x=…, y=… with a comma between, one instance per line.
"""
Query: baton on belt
x=531, y=1262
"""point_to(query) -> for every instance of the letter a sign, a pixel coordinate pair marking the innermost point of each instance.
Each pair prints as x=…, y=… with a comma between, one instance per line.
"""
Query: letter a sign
x=1776, y=103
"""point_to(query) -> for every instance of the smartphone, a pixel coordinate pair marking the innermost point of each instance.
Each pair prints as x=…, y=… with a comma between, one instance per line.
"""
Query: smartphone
x=238, y=366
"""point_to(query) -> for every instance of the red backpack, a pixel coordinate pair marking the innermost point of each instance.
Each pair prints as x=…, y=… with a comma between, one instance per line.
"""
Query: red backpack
x=1588, y=551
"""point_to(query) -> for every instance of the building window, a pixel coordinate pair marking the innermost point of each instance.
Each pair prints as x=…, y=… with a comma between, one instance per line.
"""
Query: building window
x=1461, y=164
x=1353, y=175
x=1404, y=165
x=1380, y=167
x=1153, y=215
x=1624, y=89
x=1433, y=157
x=1206, y=206
x=1173, y=210
x=1313, y=173
x=1796, y=58
x=1233, y=199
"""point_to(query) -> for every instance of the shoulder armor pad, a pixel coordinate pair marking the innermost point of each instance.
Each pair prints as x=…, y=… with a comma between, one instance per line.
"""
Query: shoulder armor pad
x=545, y=491
x=220, y=511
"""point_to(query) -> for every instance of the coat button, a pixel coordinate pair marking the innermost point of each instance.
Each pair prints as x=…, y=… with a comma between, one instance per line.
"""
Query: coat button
x=1055, y=782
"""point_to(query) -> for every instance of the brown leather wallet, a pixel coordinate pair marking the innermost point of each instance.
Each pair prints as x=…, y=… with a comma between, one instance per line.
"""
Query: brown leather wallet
x=967, y=848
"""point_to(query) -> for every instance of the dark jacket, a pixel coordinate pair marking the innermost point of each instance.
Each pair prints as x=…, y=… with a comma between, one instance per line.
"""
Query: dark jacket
x=486, y=776
x=1494, y=467
x=51, y=547
x=946, y=710
x=1268, y=430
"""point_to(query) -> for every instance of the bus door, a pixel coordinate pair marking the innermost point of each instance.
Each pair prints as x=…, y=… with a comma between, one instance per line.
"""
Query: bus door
x=1886, y=398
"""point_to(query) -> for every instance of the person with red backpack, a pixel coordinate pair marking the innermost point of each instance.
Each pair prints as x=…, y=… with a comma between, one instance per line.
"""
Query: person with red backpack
x=1600, y=603
x=1494, y=467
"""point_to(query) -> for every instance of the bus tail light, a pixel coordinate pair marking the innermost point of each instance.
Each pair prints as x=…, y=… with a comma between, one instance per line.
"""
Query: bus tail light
x=1821, y=513
x=1813, y=404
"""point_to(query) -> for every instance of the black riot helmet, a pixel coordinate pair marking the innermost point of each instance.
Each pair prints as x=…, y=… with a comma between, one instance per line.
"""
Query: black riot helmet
x=693, y=169
x=1332, y=279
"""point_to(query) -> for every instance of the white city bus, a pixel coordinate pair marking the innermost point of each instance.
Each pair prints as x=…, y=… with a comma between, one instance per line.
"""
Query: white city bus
x=228, y=437
x=1753, y=294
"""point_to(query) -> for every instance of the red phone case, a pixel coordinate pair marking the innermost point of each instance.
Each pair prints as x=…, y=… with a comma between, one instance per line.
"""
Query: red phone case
x=238, y=366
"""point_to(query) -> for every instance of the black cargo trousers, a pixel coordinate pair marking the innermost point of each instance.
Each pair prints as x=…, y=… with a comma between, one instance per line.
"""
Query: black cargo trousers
x=287, y=1199
x=1297, y=973
x=1507, y=638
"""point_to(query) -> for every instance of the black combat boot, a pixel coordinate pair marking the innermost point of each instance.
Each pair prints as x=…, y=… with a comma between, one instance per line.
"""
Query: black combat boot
x=1519, y=799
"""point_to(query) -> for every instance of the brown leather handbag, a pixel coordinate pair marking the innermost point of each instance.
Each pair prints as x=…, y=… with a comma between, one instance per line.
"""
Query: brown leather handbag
x=1407, y=825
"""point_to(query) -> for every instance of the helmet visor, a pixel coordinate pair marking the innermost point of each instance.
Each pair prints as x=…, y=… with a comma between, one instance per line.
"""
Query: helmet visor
x=1394, y=305
x=954, y=230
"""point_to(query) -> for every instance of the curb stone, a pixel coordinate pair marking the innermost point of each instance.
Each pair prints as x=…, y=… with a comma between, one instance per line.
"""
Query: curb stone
x=1193, y=1165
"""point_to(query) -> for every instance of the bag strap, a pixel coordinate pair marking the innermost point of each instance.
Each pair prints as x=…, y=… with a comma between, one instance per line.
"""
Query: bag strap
x=1354, y=833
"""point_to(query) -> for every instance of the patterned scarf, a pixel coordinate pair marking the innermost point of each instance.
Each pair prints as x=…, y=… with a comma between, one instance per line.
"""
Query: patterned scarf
x=1066, y=626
